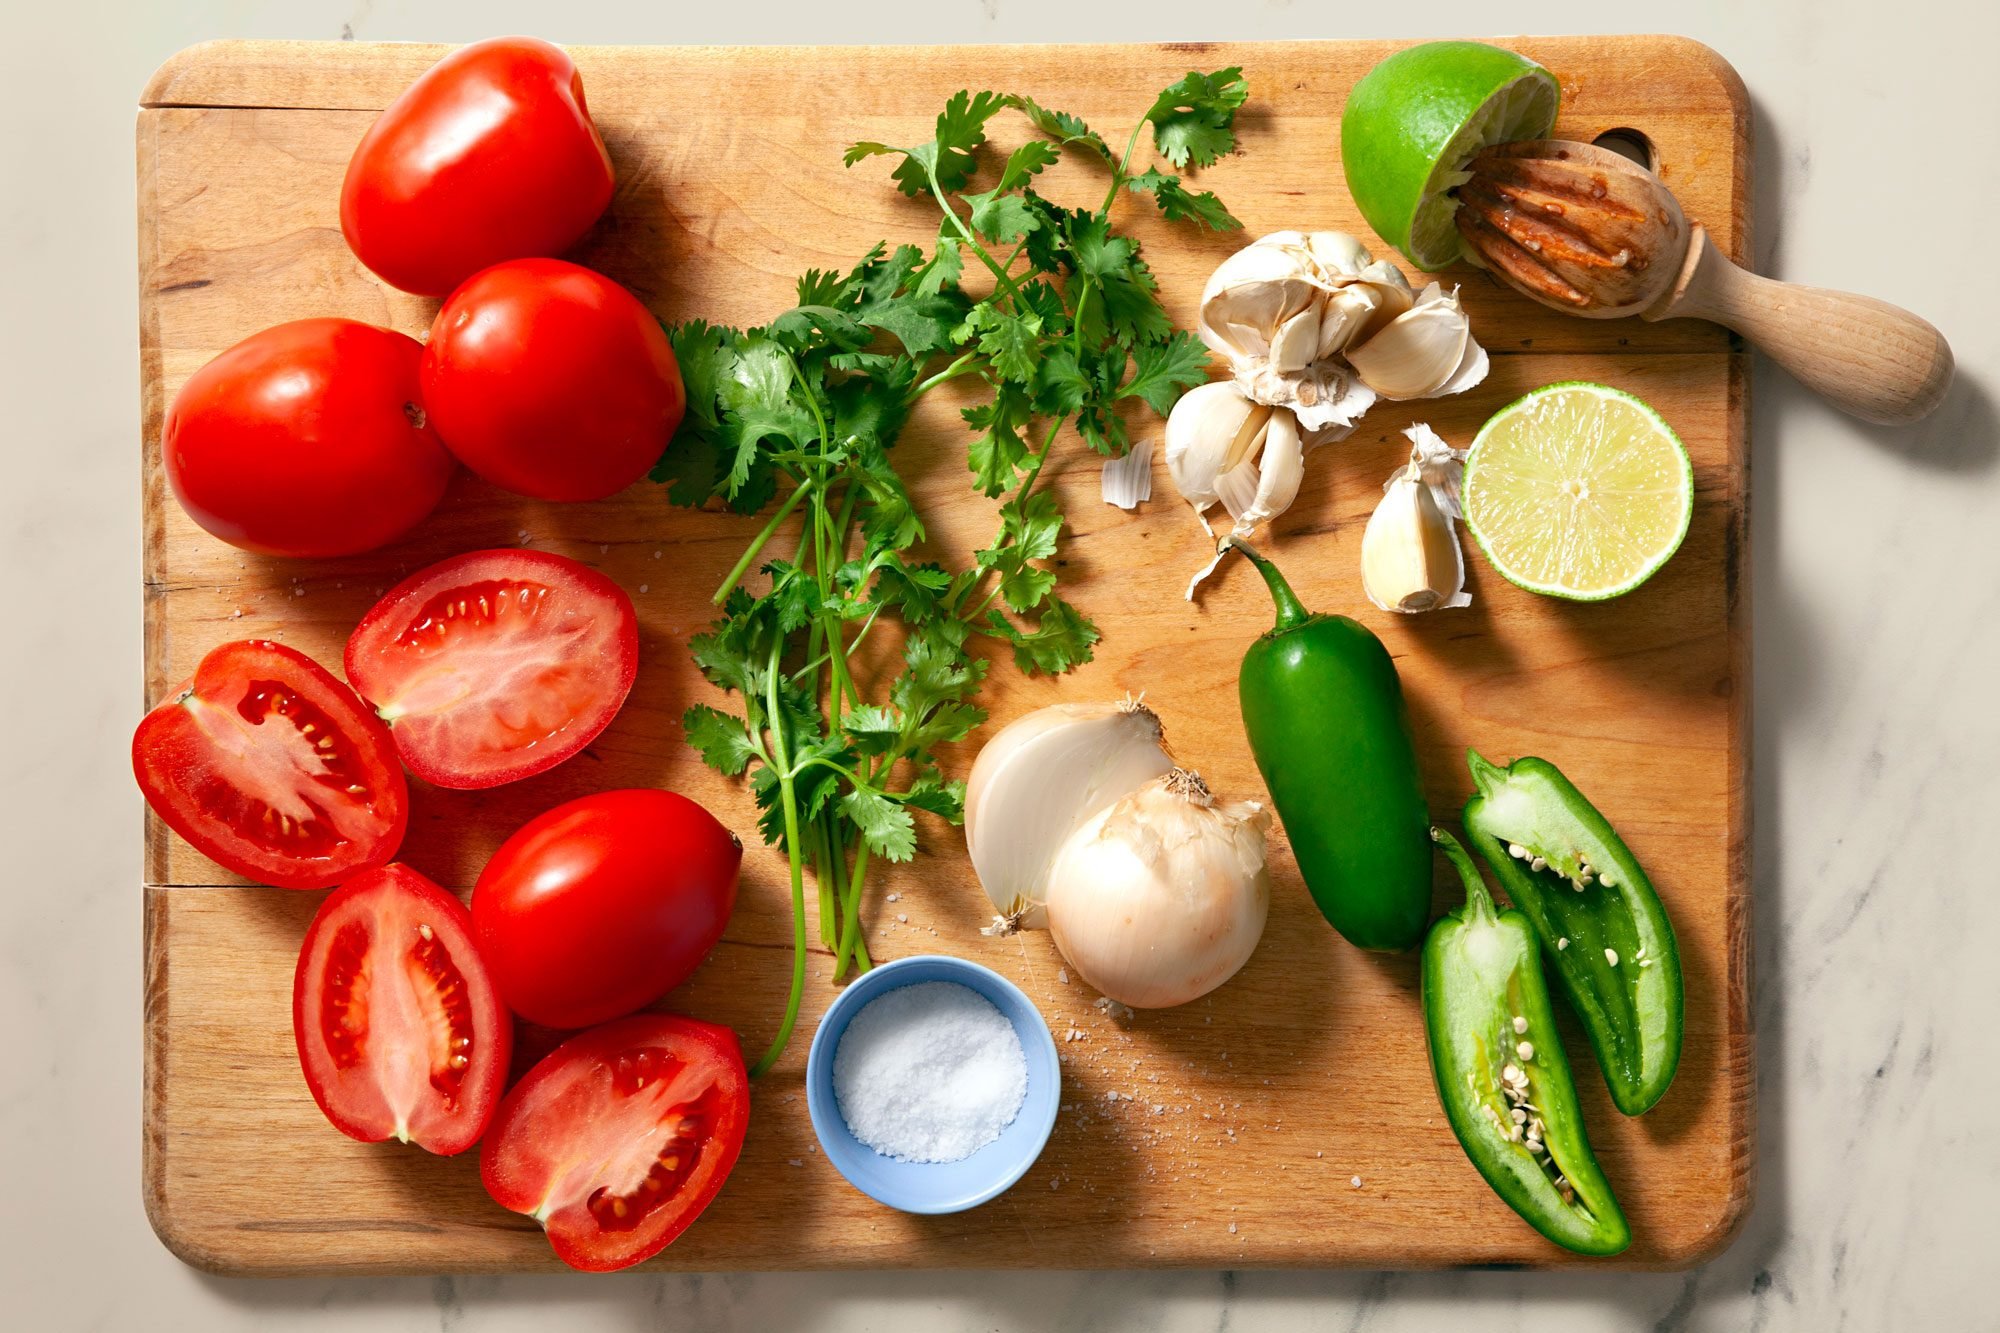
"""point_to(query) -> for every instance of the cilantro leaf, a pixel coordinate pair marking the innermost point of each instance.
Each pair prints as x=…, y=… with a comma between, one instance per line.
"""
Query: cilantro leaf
x=704, y=353
x=931, y=792
x=885, y=825
x=724, y=744
x=873, y=729
x=1010, y=338
x=1163, y=370
x=1061, y=126
x=1179, y=204
x=1193, y=121
x=1060, y=640
x=691, y=466
x=961, y=128
x=1001, y=217
x=944, y=270
x=998, y=451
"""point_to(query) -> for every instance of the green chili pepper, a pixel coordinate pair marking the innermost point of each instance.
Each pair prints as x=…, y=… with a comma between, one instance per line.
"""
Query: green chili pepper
x=1327, y=725
x=1501, y=1072
x=1597, y=914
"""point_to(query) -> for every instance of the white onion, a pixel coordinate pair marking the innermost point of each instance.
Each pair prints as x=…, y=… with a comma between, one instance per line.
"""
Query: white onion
x=1038, y=780
x=1162, y=896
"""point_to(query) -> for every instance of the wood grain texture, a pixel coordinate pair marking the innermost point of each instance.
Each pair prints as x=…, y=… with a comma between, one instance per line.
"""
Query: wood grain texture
x=1242, y=1120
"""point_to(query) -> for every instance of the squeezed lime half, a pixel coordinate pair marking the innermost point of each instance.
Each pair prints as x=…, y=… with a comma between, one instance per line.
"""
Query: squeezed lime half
x=1578, y=490
x=1415, y=121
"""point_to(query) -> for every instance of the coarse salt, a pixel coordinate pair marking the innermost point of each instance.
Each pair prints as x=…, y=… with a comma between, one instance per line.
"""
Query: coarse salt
x=929, y=1073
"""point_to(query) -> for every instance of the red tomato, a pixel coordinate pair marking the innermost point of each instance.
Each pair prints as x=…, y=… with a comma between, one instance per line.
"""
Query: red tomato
x=272, y=768
x=491, y=155
x=552, y=381
x=495, y=665
x=605, y=904
x=400, y=1032
x=306, y=440
x=619, y=1139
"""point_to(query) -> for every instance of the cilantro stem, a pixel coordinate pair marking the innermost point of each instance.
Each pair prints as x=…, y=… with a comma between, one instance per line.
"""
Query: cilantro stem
x=1124, y=167
x=823, y=875
x=852, y=946
x=742, y=566
x=1005, y=278
x=789, y=801
x=964, y=365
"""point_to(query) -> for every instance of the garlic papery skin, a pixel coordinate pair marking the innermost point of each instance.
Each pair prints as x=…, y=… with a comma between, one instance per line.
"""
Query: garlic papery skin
x=1411, y=559
x=1162, y=896
x=1040, y=778
x=1426, y=352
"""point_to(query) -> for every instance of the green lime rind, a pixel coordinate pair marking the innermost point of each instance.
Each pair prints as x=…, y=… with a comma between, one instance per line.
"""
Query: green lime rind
x=1471, y=483
x=1413, y=123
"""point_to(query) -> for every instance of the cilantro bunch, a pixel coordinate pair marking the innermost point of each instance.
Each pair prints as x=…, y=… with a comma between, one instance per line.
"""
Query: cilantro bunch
x=802, y=416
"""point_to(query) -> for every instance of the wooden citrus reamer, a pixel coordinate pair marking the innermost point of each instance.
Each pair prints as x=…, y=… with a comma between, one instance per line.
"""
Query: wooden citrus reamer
x=1585, y=229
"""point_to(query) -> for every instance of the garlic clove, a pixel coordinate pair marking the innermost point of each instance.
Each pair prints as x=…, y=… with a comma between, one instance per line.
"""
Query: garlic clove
x=1040, y=778
x=1250, y=296
x=1411, y=559
x=1202, y=431
x=1419, y=353
x=1337, y=253
x=1349, y=312
x=1296, y=343
x=1280, y=469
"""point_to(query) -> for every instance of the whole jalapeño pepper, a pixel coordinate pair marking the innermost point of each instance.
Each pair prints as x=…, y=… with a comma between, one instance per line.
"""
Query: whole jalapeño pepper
x=1600, y=921
x=1324, y=711
x=1501, y=1072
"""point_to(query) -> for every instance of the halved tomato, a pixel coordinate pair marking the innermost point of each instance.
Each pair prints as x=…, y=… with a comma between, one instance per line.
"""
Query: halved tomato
x=619, y=1138
x=496, y=665
x=273, y=768
x=401, y=1034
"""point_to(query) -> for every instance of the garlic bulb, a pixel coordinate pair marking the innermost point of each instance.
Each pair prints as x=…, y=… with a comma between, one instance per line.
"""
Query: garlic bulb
x=1314, y=331
x=1410, y=556
x=1160, y=898
x=1041, y=777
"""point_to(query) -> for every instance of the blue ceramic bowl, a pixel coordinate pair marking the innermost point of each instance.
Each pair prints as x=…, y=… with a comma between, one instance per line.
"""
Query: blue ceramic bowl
x=936, y=1187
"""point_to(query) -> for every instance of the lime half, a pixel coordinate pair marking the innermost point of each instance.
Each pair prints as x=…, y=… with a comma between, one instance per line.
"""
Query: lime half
x=1579, y=491
x=1416, y=119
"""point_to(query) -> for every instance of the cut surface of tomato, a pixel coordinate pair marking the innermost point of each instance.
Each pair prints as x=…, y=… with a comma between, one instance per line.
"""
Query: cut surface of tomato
x=400, y=1032
x=273, y=768
x=617, y=1140
x=496, y=665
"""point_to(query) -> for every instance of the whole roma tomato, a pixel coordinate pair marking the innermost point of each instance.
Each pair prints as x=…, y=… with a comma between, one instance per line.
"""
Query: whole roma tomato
x=306, y=440
x=551, y=381
x=491, y=155
x=601, y=906
x=401, y=1034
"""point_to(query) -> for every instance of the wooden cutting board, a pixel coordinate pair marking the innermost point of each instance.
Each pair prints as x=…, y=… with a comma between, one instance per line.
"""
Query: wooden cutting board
x=1288, y=1119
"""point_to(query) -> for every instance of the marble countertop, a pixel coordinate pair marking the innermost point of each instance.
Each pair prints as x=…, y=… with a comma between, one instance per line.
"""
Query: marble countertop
x=1873, y=552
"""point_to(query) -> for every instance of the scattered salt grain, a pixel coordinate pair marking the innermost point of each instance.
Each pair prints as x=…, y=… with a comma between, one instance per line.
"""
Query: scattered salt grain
x=1355, y=1181
x=645, y=587
x=929, y=1073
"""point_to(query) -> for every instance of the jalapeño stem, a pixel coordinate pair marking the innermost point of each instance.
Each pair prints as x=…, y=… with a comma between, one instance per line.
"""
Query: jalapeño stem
x=1291, y=611
x=1478, y=898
